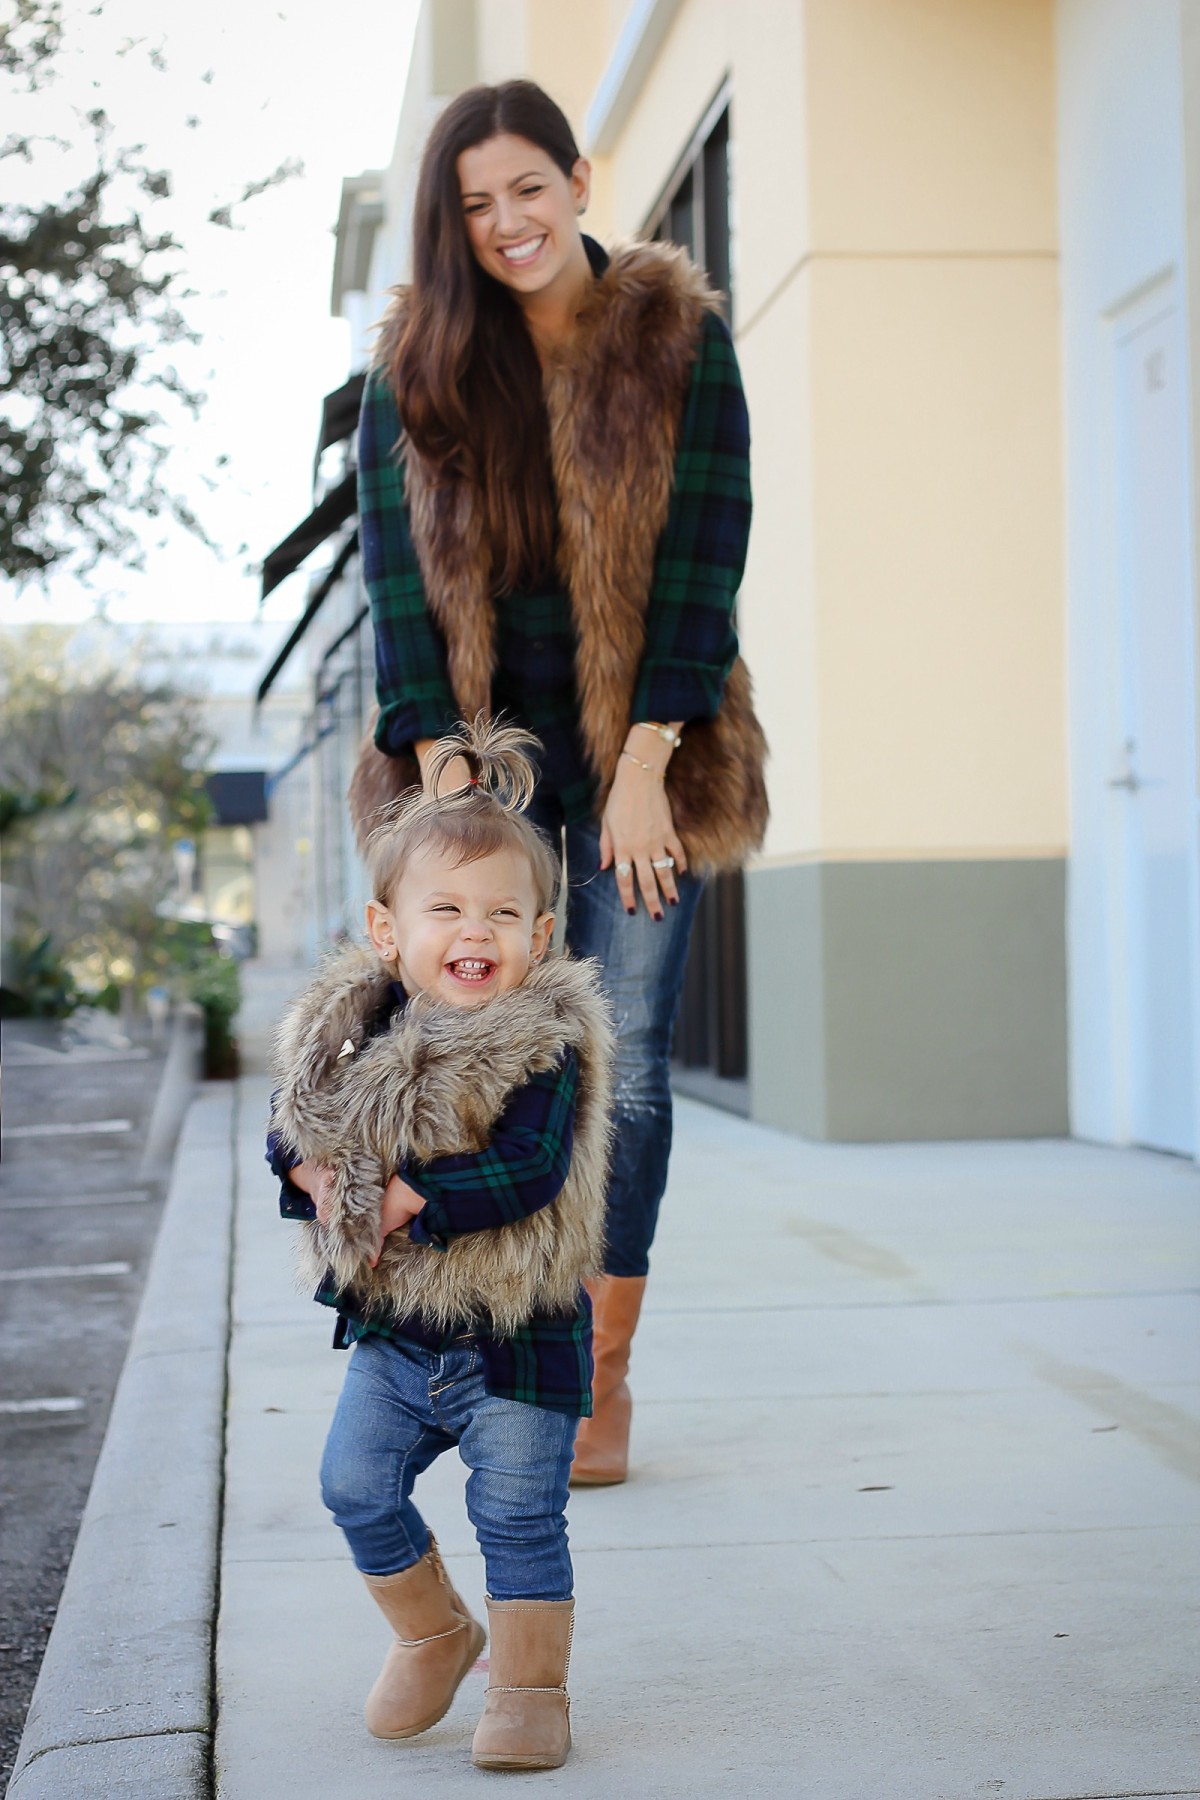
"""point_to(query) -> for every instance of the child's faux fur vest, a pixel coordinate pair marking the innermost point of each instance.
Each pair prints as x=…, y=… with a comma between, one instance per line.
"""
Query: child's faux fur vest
x=433, y=1084
x=616, y=405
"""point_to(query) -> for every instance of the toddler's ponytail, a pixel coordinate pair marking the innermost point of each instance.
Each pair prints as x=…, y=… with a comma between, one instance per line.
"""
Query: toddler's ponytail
x=486, y=815
x=495, y=755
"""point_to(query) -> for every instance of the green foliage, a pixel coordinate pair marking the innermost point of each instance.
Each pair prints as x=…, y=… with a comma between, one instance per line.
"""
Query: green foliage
x=39, y=984
x=87, y=305
x=15, y=806
x=124, y=753
x=215, y=985
x=29, y=37
x=91, y=291
x=182, y=946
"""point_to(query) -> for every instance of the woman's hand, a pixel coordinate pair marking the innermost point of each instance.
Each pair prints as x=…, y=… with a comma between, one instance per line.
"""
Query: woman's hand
x=637, y=830
x=315, y=1180
x=455, y=776
x=400, y=1204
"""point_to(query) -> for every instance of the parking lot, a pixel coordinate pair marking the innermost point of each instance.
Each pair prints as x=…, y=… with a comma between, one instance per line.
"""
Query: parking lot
x=79, y=1210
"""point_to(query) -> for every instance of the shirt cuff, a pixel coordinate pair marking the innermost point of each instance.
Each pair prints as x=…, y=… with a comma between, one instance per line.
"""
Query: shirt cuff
x=294, y=1203
x=431, y=1226
x=424, y=714
x=677, y=690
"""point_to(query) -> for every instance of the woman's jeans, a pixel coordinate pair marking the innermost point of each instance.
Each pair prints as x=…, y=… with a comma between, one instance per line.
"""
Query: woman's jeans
x=400, y=1407
x=642, y=963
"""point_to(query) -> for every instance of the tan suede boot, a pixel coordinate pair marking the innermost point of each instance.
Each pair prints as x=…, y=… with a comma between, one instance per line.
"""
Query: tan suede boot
x=602, y=1445
x=526, y=1721
x=436, y=1642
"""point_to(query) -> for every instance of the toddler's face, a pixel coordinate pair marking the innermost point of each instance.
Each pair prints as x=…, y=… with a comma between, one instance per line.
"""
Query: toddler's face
x=463, y=934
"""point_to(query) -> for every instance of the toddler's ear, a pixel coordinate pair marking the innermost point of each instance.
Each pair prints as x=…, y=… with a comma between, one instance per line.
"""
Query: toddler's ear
x=539, y=943
x=381, y=931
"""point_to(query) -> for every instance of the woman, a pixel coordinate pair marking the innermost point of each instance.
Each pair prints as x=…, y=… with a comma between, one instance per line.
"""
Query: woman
x=555, y=502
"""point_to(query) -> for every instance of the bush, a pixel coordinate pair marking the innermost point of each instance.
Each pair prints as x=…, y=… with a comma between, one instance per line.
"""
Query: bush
x=215, y=986
x=41, y=986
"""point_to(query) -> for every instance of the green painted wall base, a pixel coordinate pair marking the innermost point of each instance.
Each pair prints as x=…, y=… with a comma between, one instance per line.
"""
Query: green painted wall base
x=909, y=1000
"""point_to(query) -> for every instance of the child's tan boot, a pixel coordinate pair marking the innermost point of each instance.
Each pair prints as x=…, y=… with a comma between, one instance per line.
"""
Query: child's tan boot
x=526, y=1721
x=436, y=1642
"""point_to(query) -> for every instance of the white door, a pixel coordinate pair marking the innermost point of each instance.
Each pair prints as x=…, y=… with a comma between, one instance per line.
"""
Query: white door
x=1153, y=777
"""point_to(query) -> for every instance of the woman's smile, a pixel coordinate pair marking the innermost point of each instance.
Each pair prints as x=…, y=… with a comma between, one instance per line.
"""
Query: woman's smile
x=522, y=254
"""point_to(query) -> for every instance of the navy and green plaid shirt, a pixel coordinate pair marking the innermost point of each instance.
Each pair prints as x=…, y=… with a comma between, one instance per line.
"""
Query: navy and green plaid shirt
x=690, y=638
x=548, y=1361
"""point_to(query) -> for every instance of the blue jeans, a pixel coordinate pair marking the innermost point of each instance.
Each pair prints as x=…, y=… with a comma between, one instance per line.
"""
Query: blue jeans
x=642, y=964
x=400, y=1407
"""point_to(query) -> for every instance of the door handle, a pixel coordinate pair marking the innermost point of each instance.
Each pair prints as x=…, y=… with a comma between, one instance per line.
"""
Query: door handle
x=1128, y=779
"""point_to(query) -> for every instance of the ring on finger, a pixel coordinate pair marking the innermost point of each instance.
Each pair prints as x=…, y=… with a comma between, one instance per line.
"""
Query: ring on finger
x=662, y=862
x=624, y=869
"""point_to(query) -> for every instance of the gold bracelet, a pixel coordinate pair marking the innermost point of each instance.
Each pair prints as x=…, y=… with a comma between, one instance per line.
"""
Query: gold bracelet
x=662, y=731
x=649, y=767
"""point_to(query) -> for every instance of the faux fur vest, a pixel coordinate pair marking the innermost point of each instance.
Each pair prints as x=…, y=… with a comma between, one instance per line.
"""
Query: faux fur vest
x=615, y=399
x=433, y=1084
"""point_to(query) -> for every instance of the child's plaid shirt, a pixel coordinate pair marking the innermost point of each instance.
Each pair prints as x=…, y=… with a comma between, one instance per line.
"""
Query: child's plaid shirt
x=548, y=1362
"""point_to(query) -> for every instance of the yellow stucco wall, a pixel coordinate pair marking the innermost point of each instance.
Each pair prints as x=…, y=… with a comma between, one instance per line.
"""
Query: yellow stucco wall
x=932, y=125
x=937, y=557
x=897, y=321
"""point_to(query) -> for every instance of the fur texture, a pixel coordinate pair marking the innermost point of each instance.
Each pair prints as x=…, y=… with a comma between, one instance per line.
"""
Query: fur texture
x=615, y=401
x=433, y=1084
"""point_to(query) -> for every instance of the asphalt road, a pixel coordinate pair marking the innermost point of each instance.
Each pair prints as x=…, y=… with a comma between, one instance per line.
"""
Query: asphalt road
x=77, y=1226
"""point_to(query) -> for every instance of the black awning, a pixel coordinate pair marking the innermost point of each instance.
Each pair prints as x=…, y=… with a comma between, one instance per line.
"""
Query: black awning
x=324, y=519
x=238, y=796
x=339, y=412
x=320, y=594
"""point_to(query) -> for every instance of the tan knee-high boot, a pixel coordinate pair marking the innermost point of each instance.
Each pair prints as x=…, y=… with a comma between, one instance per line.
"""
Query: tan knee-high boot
x=436, y=1642
x=602, y=1446
x=526, y=1721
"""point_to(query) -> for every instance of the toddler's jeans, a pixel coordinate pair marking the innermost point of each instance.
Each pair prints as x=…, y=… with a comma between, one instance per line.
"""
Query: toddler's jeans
x=400, y=1407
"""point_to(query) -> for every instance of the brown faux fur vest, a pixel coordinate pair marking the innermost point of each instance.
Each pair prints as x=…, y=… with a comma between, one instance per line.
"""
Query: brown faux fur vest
x=615, y=401
x=433, y=1084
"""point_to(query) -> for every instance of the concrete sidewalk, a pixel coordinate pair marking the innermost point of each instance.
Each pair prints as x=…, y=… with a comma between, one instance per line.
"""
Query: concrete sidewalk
x=914, y=1505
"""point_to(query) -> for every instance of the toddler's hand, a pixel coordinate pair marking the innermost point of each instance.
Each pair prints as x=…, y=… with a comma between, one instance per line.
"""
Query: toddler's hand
x=315, y=1180
x=400, y=1204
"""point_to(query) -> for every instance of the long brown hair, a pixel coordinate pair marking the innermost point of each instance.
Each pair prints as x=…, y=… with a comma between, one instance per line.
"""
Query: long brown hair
x=464, y=369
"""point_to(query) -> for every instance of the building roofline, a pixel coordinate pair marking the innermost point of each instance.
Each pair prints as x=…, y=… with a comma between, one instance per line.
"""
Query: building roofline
x=361, y=204
x=646, y=25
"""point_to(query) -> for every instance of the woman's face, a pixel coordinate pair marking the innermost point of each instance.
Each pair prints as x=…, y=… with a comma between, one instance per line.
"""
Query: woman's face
x=522, y=213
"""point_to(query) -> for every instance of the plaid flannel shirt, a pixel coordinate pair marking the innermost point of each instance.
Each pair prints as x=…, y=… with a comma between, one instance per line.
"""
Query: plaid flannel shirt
x=547, y=1362
x=690, y=637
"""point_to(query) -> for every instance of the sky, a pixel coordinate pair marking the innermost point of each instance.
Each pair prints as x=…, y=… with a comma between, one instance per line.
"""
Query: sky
x=268, y=81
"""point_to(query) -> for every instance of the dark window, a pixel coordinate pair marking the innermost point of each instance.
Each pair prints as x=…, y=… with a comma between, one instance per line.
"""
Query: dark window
x=710, y=1037
x=693, y=210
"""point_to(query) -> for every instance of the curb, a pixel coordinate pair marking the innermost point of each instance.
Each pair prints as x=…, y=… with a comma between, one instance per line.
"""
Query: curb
x=123, y=1703
x=181, y=1076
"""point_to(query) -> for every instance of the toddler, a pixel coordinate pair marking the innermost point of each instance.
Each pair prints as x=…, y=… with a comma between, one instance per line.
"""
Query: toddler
x=441, y=1123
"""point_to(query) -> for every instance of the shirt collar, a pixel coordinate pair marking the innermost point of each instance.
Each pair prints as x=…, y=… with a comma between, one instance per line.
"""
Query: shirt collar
x=596, y=254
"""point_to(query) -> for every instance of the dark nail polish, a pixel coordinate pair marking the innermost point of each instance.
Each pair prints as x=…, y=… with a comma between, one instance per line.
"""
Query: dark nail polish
x=673, y=902
x=658, y=918
x=631, y=910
